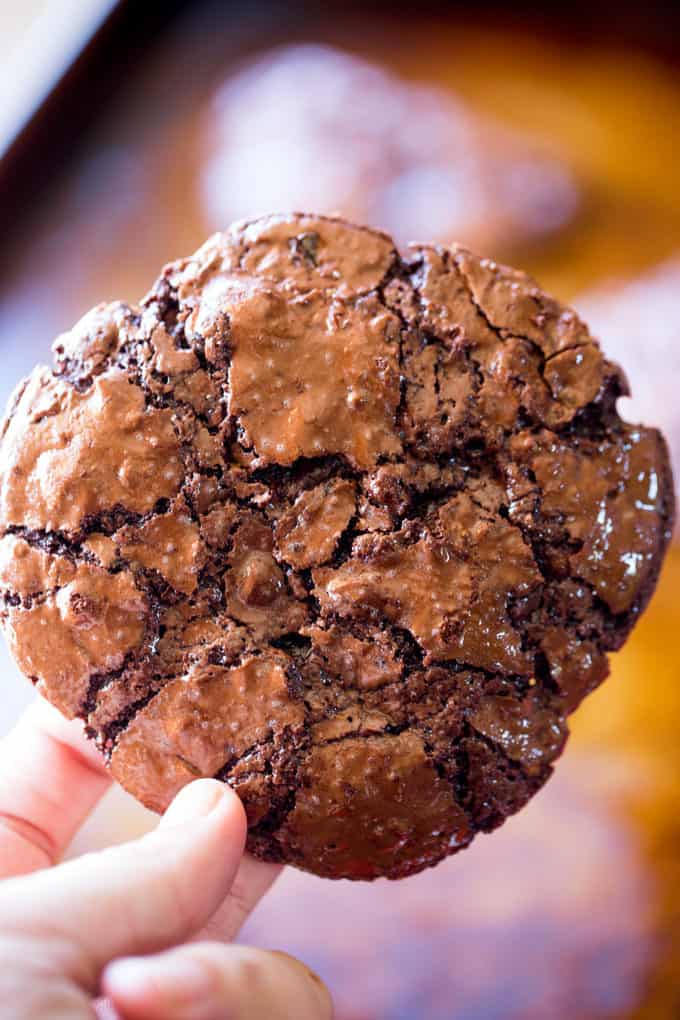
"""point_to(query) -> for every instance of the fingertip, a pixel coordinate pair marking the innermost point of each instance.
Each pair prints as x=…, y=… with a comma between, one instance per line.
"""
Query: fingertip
x=201, y=799
x=196, y=800
x=318, y=992
x=209, y=980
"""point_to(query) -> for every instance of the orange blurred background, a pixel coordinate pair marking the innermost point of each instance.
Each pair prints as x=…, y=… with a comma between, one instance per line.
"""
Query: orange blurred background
x=572, y=910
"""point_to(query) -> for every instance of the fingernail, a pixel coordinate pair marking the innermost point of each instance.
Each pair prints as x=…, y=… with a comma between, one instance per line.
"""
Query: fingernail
x=194, y=801
x=316, y=985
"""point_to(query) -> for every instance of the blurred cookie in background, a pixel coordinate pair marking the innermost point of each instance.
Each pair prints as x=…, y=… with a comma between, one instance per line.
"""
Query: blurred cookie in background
x=638, y=323
x=311, y=126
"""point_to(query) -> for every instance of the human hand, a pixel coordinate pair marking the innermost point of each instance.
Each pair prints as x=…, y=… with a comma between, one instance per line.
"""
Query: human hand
x=144, y=924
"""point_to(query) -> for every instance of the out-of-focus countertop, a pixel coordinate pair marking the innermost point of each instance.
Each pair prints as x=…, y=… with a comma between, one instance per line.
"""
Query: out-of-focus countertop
x=573, y=909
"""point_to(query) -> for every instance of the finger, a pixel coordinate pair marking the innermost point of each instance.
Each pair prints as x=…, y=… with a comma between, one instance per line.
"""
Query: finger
x=50, y=779
x=253, y=879
x=209, y=981
x=137, y=898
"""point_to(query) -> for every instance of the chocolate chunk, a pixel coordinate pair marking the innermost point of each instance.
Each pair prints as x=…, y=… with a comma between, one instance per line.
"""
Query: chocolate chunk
x=308, y=533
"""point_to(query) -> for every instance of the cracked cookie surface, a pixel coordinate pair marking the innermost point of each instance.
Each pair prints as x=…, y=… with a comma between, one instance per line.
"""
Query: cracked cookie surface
x=350, y=530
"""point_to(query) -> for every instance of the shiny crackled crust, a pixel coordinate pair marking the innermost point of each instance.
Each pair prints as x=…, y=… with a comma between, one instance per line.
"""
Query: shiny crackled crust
x=349, y=530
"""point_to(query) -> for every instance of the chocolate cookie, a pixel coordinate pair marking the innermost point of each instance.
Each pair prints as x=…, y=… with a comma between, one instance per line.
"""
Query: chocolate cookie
x=309, y=125
x=351, y=531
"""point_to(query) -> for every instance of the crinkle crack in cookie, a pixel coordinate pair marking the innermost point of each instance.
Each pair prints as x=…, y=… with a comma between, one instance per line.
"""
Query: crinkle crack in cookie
x=351, y=531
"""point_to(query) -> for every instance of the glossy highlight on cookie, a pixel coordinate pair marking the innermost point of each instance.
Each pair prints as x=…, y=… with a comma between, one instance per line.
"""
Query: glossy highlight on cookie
x=349, y=529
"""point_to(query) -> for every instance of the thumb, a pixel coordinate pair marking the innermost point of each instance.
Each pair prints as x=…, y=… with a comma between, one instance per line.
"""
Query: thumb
x=211, y=981
x=137, y=898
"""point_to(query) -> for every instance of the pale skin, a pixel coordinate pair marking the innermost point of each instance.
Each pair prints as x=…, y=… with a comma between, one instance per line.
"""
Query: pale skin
x=149, y=925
